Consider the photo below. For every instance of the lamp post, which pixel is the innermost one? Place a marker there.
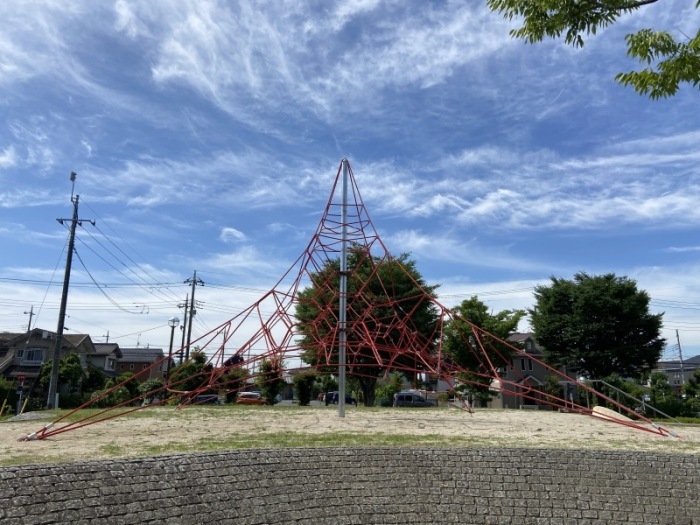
(172, 322)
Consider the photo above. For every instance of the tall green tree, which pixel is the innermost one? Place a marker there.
(669, 60)
(304, 386)
(269, 379)
(388, 300)
(597, 325)
(461, 345)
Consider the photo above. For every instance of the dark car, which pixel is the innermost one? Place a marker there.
(207, 399)
(411, 399)
(333, 397)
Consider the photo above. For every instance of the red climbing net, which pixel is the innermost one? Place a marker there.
(382, 332)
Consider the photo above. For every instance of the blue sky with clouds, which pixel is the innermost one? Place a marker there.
(206, 135)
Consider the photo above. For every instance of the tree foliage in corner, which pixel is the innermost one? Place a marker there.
(597, 325)
(386, 298)
(463, 349)
(669, 61)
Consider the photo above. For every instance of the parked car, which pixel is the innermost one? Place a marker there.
(249, 398)
(411, 399)
(334, 397)
(207, 399)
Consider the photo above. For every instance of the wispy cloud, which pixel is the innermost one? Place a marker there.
(229, 234)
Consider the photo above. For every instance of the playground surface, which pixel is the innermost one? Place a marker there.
(166, 430)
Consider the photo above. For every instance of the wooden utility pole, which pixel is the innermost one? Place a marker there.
(31, 314)
(52, 401)
(193, 311)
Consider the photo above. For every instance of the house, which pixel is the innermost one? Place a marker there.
(105, 358)
(524, 372)
(22, 354)
(678, 372)
(145, 363)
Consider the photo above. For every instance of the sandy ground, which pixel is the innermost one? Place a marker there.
(165, 430)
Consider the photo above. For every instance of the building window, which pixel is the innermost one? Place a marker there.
(522, 364)
(143, 367)
(529, 364)
(131, 366)
(20, 352)
(34, 355)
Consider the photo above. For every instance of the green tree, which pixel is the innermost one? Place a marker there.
(94, 380)
(270, 380)
(662, 396)
(151, 389)
(669, 61)
(70, 373)
(461, 345)
(233, 381)
(8, 394)
(387, 298)
(387, 388)
(692, 387)
(191, 375)
(131, 384)
(304, 386)
(597, 325)
(111, 396)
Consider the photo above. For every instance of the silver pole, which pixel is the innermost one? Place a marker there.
(342, 314)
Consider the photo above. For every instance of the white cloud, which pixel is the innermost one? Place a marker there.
(228, 235)
(8, 157)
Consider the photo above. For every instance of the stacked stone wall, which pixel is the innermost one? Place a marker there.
(359, 486)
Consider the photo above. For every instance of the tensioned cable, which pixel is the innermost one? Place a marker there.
(100, 288)
(143, 285)
(155, 281)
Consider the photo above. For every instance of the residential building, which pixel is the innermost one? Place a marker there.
(22, 354)
(105, 358)
(145, 363)
(525, 371)
(678, 372)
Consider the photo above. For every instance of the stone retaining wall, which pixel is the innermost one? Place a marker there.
(359, 486)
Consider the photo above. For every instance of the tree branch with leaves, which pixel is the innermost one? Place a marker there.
(670, 61)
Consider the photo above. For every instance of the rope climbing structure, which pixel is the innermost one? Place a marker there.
(392, 322)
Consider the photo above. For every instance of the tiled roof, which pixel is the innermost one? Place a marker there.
(108, 349)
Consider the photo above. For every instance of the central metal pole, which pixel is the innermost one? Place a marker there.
(342, 313)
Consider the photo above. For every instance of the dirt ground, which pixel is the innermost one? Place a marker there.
(165, 430)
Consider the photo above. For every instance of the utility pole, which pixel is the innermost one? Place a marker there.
(680, 357)
(186, 306)
(31, 314)
(52, 401)
(193, 311)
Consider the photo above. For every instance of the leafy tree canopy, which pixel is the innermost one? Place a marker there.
(669, 61)
(270, 380)
(388, 301)
(462, 347)
(70, 372)
(598, 325)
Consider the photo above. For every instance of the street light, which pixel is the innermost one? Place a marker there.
(172, 322)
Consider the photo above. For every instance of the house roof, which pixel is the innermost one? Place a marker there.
(141, 355)
(107, 349)
(519, 337)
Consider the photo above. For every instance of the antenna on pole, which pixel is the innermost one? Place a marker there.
(72, 189)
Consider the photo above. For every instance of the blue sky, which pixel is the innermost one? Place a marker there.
(206, 135)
